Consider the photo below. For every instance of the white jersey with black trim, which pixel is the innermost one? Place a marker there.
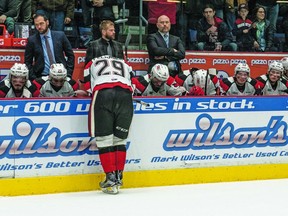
(185, 79)
(248, 88)
(189, 83)
(48, 91)
(268, 88)
(25, 93)
(149, 91)
(169, 88)
(107, 72)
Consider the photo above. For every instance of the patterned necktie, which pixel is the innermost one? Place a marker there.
(166, 39)
(49, 52)
(109, 49)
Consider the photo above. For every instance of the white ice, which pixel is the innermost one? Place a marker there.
(250, 198)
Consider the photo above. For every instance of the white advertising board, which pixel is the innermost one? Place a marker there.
(45, 137)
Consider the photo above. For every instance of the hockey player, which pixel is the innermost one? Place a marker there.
(158, 83)
(56, 84)
(110, 115)
(198, 82)
(284, 61)
(272, 83)
(18, 85)
(241, 83)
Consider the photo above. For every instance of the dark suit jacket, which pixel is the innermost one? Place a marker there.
(34, 55)
(157, 47)
(98, 48)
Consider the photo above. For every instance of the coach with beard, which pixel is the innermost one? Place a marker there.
(106, 45)
(47, 47)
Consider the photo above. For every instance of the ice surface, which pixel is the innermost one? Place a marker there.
(257, 198)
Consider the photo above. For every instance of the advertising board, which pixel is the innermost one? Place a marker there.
(49, 137)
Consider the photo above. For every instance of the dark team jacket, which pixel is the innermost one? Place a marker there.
(239, 26)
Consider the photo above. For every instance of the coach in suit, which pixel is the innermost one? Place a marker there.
(106, 45)
(47, 47)
(165, 48)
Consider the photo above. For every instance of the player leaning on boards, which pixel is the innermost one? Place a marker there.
(110, 115)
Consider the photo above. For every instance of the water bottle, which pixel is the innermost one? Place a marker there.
(6, 34)
(218, 46)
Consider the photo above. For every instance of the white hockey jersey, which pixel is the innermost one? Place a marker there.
(228, 86)
(6, 90)
(107, 72)
(47, 90)
(185, 79)
(144, 87)
(267, 89)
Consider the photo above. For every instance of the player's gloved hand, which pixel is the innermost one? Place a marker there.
(258, 91)
(196, 91)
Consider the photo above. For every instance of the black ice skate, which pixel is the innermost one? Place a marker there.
(119, 177)
(110, 184)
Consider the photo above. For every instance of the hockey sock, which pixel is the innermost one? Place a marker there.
(120, 157)
(107, 158)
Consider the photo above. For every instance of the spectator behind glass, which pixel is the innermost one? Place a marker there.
(59, 12)
(7, 14)
(158, 8)
(272, 9)
(213, 33)
(262, 31)
(165, 48)
(23, 11)
(86, 12)
(231, 7)
(99, 47)
(241, 30)
(219, 6)
(193, 13)
(284, 25)
(18, 85)
(103, 10)
(36, 52)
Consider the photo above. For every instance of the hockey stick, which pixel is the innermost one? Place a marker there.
(127, 42)
(206, 82)
(141, 102)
